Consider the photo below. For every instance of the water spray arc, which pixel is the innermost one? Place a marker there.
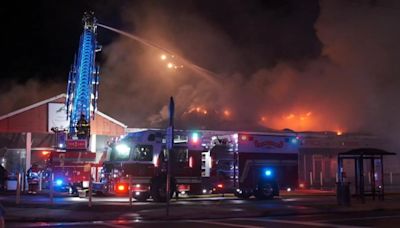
(206, 74)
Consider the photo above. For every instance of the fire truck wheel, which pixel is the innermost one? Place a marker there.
(264, 191)
(158, 189)
(142, 197)
(243, 195)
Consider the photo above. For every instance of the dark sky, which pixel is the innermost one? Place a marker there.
(41, 37)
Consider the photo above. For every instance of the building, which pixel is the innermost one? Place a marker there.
(27, 132)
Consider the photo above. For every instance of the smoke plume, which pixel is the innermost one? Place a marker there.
(32, 91)
(279, 68)
(350, 86)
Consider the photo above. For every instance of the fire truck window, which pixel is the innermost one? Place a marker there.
(143, 153)
(181, 154)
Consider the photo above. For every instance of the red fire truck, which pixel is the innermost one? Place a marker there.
(71, 170)
(253, 164)
(140, 158)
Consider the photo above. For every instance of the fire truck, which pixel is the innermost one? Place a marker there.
(138, 163)
(252, 164)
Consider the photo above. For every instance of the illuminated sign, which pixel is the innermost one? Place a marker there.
(78, 144)
(57, 116)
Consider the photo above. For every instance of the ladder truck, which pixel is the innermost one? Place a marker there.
(71, 165)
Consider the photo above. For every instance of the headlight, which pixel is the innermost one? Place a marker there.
(123, 149)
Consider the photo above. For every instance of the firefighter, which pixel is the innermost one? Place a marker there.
(82, 128)
(33, 178)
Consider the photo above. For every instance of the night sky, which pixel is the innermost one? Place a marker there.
(43, 36)
(303, 65)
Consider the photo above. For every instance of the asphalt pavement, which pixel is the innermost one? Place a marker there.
(347, 220)
(291, 209)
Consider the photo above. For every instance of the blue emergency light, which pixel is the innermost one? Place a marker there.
(59, 182)
(294, 140)
(268, 172)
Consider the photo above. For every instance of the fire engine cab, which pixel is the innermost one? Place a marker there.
(252, 164)
(138, 163)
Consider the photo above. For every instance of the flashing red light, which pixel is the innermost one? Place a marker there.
(45, 152)
(191, 162)
(301, 185)
(121, 187)
(244, 137)
(220, 185)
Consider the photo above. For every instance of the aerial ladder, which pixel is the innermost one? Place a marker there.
(82, 89)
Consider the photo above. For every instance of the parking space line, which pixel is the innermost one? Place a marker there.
(73, 224)
(359, 218)
(115, 225)
(223, 224)
(298, 222)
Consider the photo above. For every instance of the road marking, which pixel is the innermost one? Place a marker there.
(363, 218)
(223, 224)
(298, 222)
(74, 224)
(115, 225)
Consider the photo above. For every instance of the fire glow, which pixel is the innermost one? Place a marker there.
(303, 120)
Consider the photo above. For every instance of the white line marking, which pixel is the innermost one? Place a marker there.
(224, 224)
(74, 224)
(363, 218)
(115, 225)
(299, 222)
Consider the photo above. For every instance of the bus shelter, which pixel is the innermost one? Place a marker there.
(362, 157)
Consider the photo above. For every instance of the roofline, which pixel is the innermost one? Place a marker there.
(16, 112)
(217, 132)
(111, 119)
(63, 95)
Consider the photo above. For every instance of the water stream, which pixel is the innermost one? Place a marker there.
(206, 74)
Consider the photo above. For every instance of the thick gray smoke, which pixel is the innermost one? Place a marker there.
(22, 95)
(361, 42)
(352, 86)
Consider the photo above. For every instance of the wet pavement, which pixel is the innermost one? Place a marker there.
(36, 211)
(353, 219)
